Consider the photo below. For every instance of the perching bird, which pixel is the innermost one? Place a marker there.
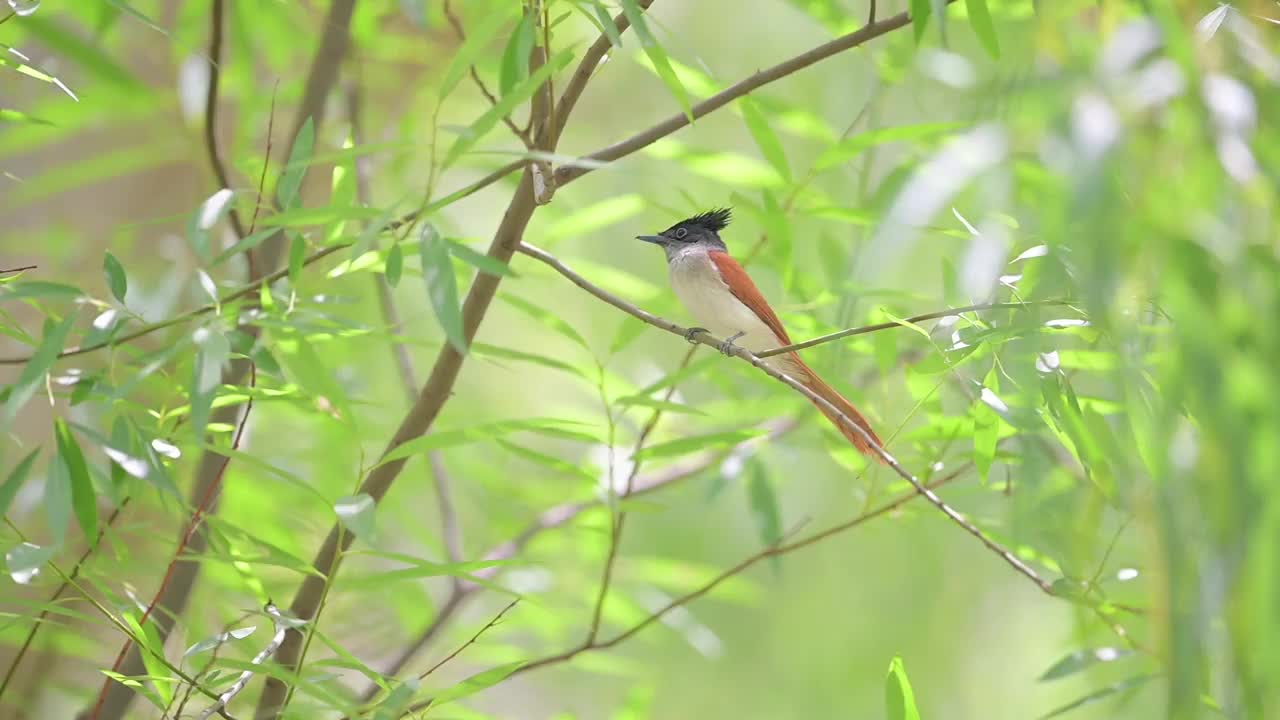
(720, 296)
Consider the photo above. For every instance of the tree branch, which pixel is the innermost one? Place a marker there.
(757, 362)
(211, 117)
(569, 173)
(849, 332)
(475, 76)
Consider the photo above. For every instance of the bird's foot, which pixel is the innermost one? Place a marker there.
(692, 333)
(726, 347)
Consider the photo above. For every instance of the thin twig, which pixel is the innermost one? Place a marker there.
(475, 76)
(24, 268)
(470, 642)
(906, 321)
(824, 404)
(211, 115)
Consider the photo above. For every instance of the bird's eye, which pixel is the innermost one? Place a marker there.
(680, 233)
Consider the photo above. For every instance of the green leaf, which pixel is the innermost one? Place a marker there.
(547, 318)
(656, 404)
(212, 350)
(980, 21)
(25, 561)
(38, 289)
(219, 640)
(920, 11)
(32, 377)
(606, 24)
(394, 265)
(57, 499)
(393, 706)
(1097, 695)
(439, 439)
(515, 58)
(503, 107)
(696, 443)
(478, 37)
(17, 116)
(480, 261)
(764, 136)
(297, 256)
(442, 287)
(83, 499)
(296, 168)
(356, 513)
(657, 56)
(116, 279)
(849, 148)
(477, 682)
(764, 505)
(899, 699)
(11, 484)
(1083, 659)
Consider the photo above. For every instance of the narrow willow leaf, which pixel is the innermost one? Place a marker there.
(596, 216)
(547, 318)
(480, 261)
(980, 21)
(920, 11)
(504, 106)
(394, 704)
(478, 38)
(394, 266)
(83, 500)
(1093, 697)
(212, 350)
(439, 439)
(245, 244)
(218, 640)
(116, 279)
(442, 286)
(38, 289)
(496, 351)
(356, 513)
(296, 168)
(764, 505)
(297, 256)
(1083, 659)
(17, 116)
(11, 484)
(899, 699)
(477, 682)
(515, 58)
(697, 443)
(664, 405)
(849, 148)
(606, 24)
(764, 136)
(32, 377)
(657, 56)
(25, 561)
(57, 499)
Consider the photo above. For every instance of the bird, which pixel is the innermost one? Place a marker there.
(722, 298)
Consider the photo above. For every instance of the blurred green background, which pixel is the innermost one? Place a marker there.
(1116, 155)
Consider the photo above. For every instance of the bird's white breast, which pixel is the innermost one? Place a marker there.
(706, 296)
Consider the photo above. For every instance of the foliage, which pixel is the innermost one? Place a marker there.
(251, 359)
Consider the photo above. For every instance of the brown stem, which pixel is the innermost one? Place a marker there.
(211, 115)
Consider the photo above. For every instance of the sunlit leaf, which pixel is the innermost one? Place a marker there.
(657, 56)
(1083, 659)
(442, 287)
(980, 21)
(296, 167)
(515, 58)
(899, 698)
(479, 35)
(25, 561)
(9, 489)
(116, 280)
(765, 138)
(33, 372)
(356, 513)
(219, 640)
(83, 500)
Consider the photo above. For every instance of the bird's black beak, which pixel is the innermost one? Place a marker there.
(655, 239)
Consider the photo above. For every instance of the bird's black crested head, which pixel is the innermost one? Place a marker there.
(698, 232)
(712, 220)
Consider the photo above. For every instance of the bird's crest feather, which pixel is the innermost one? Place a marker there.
(713, 220)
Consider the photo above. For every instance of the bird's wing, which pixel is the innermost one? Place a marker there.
(748, 294)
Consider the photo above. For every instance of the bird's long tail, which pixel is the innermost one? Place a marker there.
(810, 379)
